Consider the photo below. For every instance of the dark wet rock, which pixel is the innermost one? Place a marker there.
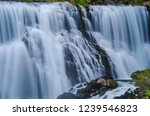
(68, 95)
(129, 95)
(70, 66)
(97, 87)
(107, 63)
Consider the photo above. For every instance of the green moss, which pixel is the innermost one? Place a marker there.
(147, 94)
(142, 81)
(113, 83)
(141, 77)
(102, 90)
(97, 87)
(148, 3)
(83, 3)
(29, 1)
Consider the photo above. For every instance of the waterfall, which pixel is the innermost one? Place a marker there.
(123, 33)
(45, 49)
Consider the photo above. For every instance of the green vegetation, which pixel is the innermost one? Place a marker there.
(77, 2)
(141, 77)
(28, 0)
(147, 94)
(88, 2)
(142, 80)
(134, 2)
(82, 2)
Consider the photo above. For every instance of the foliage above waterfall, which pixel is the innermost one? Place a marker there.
(134, 2)
(82, 2)
(88, 2)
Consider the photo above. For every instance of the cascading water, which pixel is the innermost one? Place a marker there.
(44, 50)
(123, 33)
(38, 42)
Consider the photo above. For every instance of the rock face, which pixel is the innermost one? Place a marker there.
(141, 79)
(106, 63)
(97, 87)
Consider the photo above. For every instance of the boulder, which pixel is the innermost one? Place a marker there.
(97, 87)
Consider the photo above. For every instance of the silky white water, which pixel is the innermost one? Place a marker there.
(117, 92)
(44, 50)
(123, 33)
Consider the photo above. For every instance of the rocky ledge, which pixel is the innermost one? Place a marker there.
(95, 87)
(141, 79)
(99, 86)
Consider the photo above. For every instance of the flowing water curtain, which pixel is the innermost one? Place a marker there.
(44, 79)
(124, 32)
(45, 49)
(46, 36)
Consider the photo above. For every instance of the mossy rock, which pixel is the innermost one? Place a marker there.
(97, 87)
(82, 3)
(147, 94)
(142, 78)
(106, 62)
